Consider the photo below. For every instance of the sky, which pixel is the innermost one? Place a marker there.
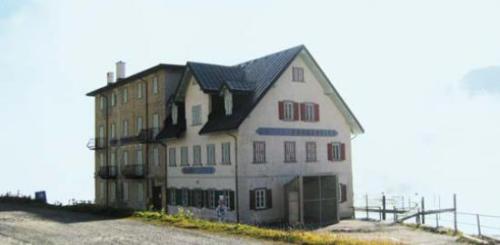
(423, 78)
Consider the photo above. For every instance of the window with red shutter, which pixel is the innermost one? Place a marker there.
(295, 111)
(316, 112)
(342, 152)
(281, 111)
(330, 151)
(303, 111)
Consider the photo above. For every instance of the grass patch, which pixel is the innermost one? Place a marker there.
(186, 221)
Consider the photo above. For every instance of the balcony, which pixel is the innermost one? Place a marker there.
(96, 144)
(148, 135)
(107, 172)
(134, 171)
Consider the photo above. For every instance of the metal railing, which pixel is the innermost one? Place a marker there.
(133, 171)
(107, 172)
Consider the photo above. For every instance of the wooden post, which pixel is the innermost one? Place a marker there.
(437, 220)
(395, 214)
(478, 225)
(423, 210)
(417, 217)
(455, 225)
(383, 207)
(379, 213)
(366, 202)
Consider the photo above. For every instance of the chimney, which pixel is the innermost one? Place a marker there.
(111, 77)
(120, 70)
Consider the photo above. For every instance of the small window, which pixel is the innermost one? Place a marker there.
(125, 128)
(343, 192)
(113, 158)
(185, 197)
(184, 156)
(139, 90)
(226, 153)
(290, 151)
(113, 99)
(125, 158)
(125, 95)
(138, 157)
(297, 74)
(101, 159)
(210, 154)
(196, 155)
(156, 156)
(336, 151)
(102, 190)
(259, 152)
(155, 85)
(139, 124)
(260, 199)
(309, 112)
(311, 151)
(228, 199)
(102, 103)
(196, 115)
(172, 157)
(289, 110)
(113, 131)
(140, 192)
(156, 124)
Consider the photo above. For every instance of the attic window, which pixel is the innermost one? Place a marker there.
(228, 102)
(175, 114)
(297, 74)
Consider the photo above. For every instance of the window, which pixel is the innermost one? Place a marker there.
(112, 191)
(261, 199)
(125, 191)
(228, 199)
(171, 157)
(101, 159)
(290, 151)
(212, 199)
(198, 198)
(156, 156)
(259, 152)
(139, 124)
(113, 130)
(310, 151)
(226, 153)
(171, 196)
(210, 154)
(113, 158)
(102, 190)
(343, 192)
(196, 115)
(102, 102)
(125, 128)
(156, 124)
(309, 112)
(297, 74)
(125, 95)
(196, 155)
(336, 151)
(113, 99)
(174, 114)
(185, 197)
(288, 110)
(125, 158)
(138, 155)
(140, 192)
(139, 90)
(155, 85)
(101, 133)
(228, 102)
(184, 156)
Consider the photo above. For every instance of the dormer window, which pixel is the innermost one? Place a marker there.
(228, 102)
(297, 74)
(175, 114)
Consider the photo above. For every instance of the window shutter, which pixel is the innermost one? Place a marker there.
(343, 198)
(302, 111)
(252, 200)
(330, 151)
(281, 109)
(316, 112)
(295, 111)
(269, 199)
(231, 200)
(342, 151)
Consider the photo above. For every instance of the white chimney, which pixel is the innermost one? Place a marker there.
(120, 70)
(111, 77)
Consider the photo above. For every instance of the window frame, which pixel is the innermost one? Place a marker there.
(226, 153)
(288, 115)
(337, 151)
(139, 126)
(156, 156)
(140, 90)
(172, 157)
(124, 95)
(197, 155)
(184, 156)
(185, 197)
(309, 158)
(211, 159)
(289, 157)
(259, 154)
(260, 203)
(196, 119)
(155, 85)
(298, 74)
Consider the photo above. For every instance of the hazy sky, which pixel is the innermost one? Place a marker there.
(423, 77)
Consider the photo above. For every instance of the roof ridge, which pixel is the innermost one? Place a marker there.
(269, 55)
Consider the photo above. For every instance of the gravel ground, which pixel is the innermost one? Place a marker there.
(398, 233)
(27, 225)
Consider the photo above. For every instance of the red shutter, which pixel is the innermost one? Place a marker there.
(330, 151)
(295, 111)
(281, 110)
(316, 112)
(302, 111)
(342, 151)
(252, 200)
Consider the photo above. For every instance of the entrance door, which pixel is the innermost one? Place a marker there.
(157, 197)
(293, 207)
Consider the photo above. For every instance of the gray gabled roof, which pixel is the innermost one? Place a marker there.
(254, 78)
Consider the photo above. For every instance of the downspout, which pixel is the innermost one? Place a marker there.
(146, 158)
(106, 146)
(236, 192)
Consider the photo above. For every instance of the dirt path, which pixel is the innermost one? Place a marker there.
(397, 233)
(27, 225)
